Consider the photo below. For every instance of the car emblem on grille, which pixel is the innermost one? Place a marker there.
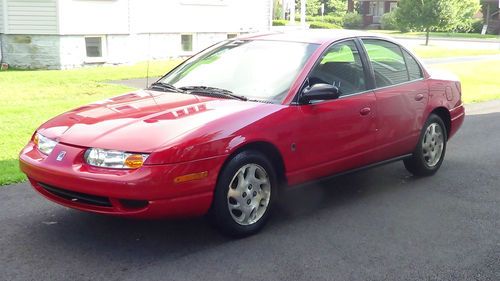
(61, 155)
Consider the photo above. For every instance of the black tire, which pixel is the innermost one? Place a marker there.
(220, 213)
(419, 164)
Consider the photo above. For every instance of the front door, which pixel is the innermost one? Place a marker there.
(336, 135)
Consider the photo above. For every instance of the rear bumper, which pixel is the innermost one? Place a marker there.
(148, 192)
(457, 119)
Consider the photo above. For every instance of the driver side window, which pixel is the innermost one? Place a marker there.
(340, 66)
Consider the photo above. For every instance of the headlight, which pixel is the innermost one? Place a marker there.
(114, 159)
(44, 144)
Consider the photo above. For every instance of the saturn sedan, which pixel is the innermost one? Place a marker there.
(224, 132)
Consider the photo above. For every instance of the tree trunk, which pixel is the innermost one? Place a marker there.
(427, 31)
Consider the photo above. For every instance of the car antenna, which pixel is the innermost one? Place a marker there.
(149, 58)
(147, 69)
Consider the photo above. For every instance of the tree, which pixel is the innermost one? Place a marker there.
(432, 15)
(335, 7)
(312, 7)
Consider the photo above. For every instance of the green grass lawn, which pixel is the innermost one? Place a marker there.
(441, 52)
(438, 34)
(479, 79)
(28, 98)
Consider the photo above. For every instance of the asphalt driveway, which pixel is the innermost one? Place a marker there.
(379, 224)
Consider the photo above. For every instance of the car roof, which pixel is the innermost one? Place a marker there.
(315, 36)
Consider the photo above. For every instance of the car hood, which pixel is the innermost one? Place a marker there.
(143, 121)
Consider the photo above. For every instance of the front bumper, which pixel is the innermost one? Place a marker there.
(148, 192)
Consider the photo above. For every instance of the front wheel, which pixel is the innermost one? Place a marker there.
(244, 194)
(429, 153)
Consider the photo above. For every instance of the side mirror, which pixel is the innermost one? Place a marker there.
(319, 92)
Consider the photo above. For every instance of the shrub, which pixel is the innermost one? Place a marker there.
(353, 21)
(389, 22)
(280, 22)
(326, 18)
(477, 26)
(474, 26)
(322, 25)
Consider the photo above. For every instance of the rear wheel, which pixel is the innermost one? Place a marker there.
(429, 153)
(244, 194)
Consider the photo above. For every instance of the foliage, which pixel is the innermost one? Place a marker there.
(332, 7)
(464, 18)
(335, 7)
(353, 21)
(322, 25)
(329, 19)
(280, 22)
(312, 7)
(277, 10)
(477, 26)
(388, 21)
(435, 15)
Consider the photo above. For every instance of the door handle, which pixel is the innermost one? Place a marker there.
(365, 111)
(419, 97)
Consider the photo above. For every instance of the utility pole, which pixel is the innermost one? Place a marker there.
(303, 13)
(292, 11)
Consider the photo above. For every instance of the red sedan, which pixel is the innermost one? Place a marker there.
(220, 133)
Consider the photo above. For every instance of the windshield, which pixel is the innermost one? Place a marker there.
(260, 70)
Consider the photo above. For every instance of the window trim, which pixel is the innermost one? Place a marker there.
(104, 49)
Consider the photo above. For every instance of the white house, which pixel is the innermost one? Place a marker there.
(72, 33)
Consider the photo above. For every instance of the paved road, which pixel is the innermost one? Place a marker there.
(380, 224)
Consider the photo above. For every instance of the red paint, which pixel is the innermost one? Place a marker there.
(190, 134)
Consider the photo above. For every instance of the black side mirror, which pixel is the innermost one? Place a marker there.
(319, 92)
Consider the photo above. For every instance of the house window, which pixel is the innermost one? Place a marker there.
(94, 47)
(393, 6)
(232, 35)
(187, 42)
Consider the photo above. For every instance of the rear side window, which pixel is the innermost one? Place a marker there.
(414, 70)
(387, 61)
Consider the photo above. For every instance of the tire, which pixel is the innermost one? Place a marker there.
(242, 200)
(431, 148)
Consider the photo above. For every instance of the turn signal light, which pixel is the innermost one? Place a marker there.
(134, 161)
(191, 177)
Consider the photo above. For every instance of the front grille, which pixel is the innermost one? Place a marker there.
(77, 196)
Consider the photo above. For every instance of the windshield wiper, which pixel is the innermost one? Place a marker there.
(212, 90)
(165, 87)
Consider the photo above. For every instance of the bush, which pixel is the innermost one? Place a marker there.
(327, 18)
(280, 22)
(389, 22)
(322, 25)
(353, 21)
(477, 26)
(474, 26)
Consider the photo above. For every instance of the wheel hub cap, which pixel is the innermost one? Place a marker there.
(248, 195)
(433, 144)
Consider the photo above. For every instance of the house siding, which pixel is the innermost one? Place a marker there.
(51, 33)
(32, 16)
(2, 19)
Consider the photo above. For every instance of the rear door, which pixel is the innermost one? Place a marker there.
(401, 94)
